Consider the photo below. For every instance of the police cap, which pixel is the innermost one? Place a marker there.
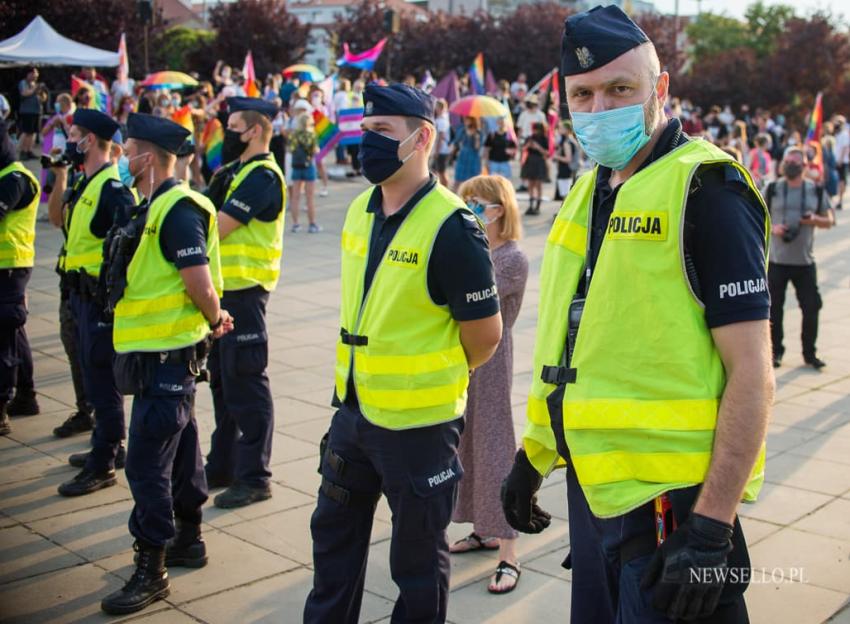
(101, 124)
(187, 148)
(161, 132)
(264, 107)
(398, 100)
(596, 37)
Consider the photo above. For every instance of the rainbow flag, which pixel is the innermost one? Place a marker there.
(212, 138)
(327, 134)
(99, 99)
(251, 89)
(476, 75)
(123, 71)
(365, 60)
(183, 116)
(816, 120)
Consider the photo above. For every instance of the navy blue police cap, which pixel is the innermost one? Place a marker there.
(161, 132)
(264, 107)
(398, 100)
(187, 149)
(596, 37)
(101, 124)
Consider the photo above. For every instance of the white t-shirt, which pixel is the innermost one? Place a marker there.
(527, 119)
(442, 126)
(842, 146)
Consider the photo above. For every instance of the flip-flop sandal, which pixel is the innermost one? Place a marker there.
(506, 569)
(476, 543)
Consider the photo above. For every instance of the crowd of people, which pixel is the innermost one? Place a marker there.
(134, 173)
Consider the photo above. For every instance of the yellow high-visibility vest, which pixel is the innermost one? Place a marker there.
(640, 418)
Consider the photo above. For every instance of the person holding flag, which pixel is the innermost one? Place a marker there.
(249, 194)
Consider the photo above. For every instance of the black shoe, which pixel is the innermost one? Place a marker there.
(815, 362)
(24, 404)
(78, 422)
(532, 210)
(78, 460)
(87, 482)
(187, 549)
(148, 584)
(240, 495)
(777, 361)
(5, 423)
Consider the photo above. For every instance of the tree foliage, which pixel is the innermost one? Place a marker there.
(275, 37)
(178, 47)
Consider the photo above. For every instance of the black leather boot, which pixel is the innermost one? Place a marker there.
(187, 549)
(87, 482)
(24, 404)
(78, 422)
(148, 584)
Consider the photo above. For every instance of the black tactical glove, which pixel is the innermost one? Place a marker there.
(688, 570)
(518, 497)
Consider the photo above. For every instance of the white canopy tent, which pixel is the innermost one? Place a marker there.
(39, 44)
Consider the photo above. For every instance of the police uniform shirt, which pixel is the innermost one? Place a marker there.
(460, 271)
(115, 207)
(258, 197)
(16, 192)
(723, 238)
(183, 237)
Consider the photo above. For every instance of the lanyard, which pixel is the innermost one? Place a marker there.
(785, 201)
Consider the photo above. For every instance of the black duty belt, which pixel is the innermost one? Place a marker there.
(353, 339)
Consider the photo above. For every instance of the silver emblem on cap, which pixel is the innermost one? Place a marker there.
(369, 107)
(584, 56)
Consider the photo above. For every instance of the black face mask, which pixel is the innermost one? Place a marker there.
(76, 157)
(792, 170)
(233, 145)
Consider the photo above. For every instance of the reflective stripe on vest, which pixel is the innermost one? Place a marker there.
(413, 370)
(156, 313)
(250, 254)
(17, 228)
(641, 416)
(84, 250)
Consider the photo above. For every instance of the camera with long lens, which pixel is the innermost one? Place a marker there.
(57, 160)
(791, 232)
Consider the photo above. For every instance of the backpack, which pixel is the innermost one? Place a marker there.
(300, 160)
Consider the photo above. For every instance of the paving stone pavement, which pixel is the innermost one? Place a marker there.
(59, 557)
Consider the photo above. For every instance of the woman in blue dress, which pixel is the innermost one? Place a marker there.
(467, 147)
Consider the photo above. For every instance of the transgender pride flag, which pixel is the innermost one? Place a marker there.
(348, 120)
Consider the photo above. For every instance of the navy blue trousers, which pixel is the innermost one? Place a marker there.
(96, 355)
(241, 445)
(606, 592)
(15, 354)
(164, 463)
(417, 470)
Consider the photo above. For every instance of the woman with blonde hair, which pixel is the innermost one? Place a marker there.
(304, 149)
(488, 444)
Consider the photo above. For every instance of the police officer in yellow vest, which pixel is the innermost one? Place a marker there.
(652, 377)
(163, 320)
(419, 310)
(19, 196)
(250, 195)
(99, 201)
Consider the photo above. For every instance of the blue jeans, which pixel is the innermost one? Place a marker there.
(500, 168)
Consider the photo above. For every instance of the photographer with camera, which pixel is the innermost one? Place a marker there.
(796, 207)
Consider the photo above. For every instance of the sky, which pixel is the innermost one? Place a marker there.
(736, 8)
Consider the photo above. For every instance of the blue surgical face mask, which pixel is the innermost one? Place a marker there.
(612, 137)
(379, 155)
(124, 172)
(480, 211)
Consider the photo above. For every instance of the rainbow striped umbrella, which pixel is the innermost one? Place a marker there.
(478, 106)
(304, 71)
(169, 80)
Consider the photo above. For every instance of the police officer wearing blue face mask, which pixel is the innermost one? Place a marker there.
(419, 311)
(652, 379)
(98, 200)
